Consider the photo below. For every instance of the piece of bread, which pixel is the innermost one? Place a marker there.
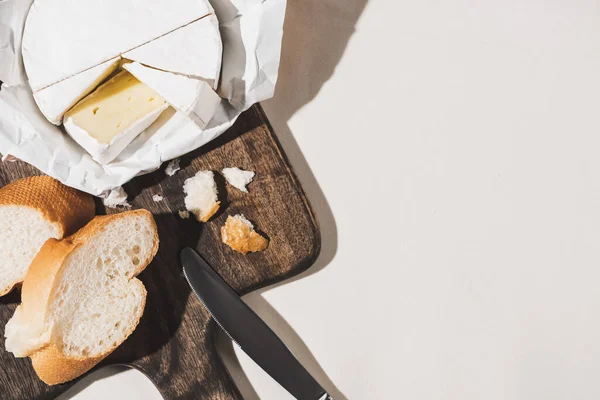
(32, 210)
(201, 196)
(81, 298)
(238, 178)
(183, 214)
(238, 233)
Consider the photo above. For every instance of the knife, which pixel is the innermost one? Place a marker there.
(246, 329)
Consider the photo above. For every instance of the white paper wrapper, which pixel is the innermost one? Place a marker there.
(251, 31)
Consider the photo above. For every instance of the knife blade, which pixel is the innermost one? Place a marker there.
(248, 330)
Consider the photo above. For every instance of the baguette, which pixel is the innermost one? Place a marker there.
(81, 298)
(33, 210)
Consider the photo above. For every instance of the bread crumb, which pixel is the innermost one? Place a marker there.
(172, 167)
(116, 198)
(238, 233)
(184, 214)
(201, 195)
(238, 178)
(157, 198)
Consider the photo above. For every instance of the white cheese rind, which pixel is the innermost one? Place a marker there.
(192, 97)
(57, 99)
(104, 153)
(92, 32)
(194, 50)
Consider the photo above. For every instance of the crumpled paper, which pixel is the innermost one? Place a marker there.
(251, 31)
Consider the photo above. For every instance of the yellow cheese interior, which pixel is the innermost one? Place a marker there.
(115, 106)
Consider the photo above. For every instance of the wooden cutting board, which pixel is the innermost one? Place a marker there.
(175, 342)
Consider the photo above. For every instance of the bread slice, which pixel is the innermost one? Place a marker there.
(238, 233)
(31, 211)
(201, 196)
(80, 298)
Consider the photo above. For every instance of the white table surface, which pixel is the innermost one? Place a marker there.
(451, 150)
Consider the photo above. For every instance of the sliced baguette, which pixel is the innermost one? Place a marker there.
(33, 210)
(80, 298)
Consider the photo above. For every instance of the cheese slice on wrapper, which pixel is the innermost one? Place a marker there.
(106, 121)
(63, 38)
(194, 50)
(192, 97)
(55, 100)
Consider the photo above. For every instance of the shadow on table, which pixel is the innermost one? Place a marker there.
(315, 37)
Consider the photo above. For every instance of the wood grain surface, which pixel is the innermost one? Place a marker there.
(175, 342)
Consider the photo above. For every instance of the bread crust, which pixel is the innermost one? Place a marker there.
(208, 215)
(54, 367)
(241, 237)
(41, 276)
(51, 364)
(67, 208)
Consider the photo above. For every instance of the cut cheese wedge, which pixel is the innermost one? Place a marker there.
(192, 97)
(195, 50)
(106, 121)
(63, 38)
(55, 100)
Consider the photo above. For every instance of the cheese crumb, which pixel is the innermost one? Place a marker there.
(238, 178)
(184, 214)
(157, 198)
(172, 167)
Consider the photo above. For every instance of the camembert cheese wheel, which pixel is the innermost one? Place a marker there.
(70, 47)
